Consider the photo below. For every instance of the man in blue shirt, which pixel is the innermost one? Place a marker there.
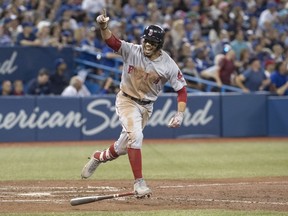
(279, 79)
(27, 37)
(254, 78)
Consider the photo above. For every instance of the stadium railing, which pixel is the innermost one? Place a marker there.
(83, 63)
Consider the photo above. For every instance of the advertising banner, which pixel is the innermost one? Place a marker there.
(17, 119)
(24, 62)
(278, 116)
(244, 115)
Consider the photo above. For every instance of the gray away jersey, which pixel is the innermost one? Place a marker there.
(143, 78)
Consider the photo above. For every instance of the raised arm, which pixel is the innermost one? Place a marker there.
(103, 20)
(106, 34)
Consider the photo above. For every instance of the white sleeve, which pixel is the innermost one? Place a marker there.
(69, 91)
(176, 78)
(125, 49)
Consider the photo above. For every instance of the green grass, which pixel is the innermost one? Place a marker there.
(169, 161)
(163, 213)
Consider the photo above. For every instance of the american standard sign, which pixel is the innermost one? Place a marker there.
(97, 116)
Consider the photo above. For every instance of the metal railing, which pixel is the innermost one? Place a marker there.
(208, 85)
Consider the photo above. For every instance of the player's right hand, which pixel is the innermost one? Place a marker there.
(102, 19)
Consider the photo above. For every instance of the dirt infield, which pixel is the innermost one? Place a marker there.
(269, 194)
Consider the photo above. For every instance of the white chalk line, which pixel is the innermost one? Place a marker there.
(34, 201)
(221, 184)
(106, 188)
(234, 201)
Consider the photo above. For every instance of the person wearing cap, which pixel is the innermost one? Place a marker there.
(59, 79)
(27, 37)
(41, 84)
(254, 78)
(269, 65)
(146, 69)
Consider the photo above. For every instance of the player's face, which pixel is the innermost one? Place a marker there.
(149, 47)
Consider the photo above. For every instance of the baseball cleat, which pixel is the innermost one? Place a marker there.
(141, 190)
(90, 167)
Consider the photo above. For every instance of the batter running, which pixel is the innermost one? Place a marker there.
(145, 71)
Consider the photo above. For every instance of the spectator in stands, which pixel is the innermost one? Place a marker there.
(238, 44)
(41, 84)
(76, 88)
(227, 68)
(11, 26)
(190, 69)
(140, 16)
(6, 88)
(93, 7)
(18, 88)
(91, 42)
(43, 37)
(269, 65)
(59, 79)
(212, 73)
(184, 52)
(66, 31)
(253, 79)
(27, 36)
(279, 79)
(268, 16)
(177, 33)
(277, 54)
(224, 39)
(243, 63)
(201, 59)
(265, 33)
(66, 39)
(108, 87)
(5, 39)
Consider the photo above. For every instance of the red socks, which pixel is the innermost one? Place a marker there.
(107, 155)
(135, 158)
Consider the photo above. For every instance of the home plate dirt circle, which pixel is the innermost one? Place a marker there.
(266, 194)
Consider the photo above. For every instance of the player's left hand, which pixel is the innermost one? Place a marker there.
(176, 120)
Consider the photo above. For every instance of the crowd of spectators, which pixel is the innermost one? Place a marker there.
(242, 43)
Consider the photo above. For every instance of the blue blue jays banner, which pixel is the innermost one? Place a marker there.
(201, 118)
(278, 116)
(24, 62)
(56, 118)
(59, 118)
(17, 116)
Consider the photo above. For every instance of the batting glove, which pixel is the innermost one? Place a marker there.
(176, 120)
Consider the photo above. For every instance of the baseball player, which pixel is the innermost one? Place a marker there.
(146, 68)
